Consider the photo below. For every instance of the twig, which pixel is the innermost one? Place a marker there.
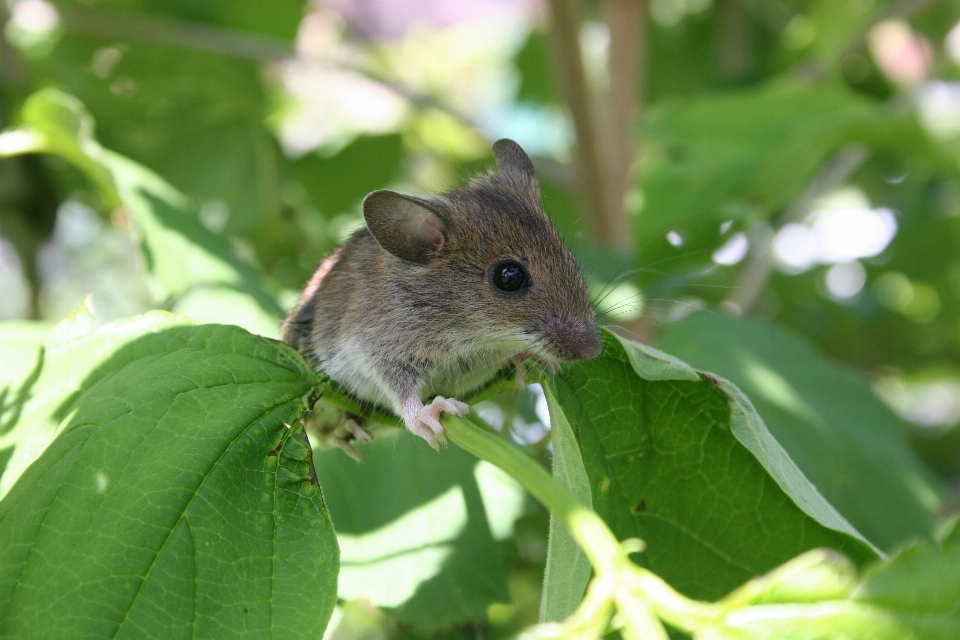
(626, 20)
(565, 23)
(757, 271)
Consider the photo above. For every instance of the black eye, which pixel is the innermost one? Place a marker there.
(509, 276)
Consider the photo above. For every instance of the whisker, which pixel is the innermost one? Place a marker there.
(594, 303)
(689, 304)
(625, 300)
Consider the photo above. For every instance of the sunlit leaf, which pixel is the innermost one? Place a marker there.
(35, 407)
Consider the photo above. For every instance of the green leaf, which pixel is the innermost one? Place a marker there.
(224, 305)
(338, 182)
(821, 574)
(760, 148)
(688, 466)
(198, 118)
(181, 253)
(568, 568)
(923, 579)
(276, 20)
(176, 502)
(916, 594)
(35, 408)
(414, 531)
(533, 64)
(850, 445)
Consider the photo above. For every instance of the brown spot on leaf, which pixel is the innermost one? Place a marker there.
(711, 380)
(641, 507)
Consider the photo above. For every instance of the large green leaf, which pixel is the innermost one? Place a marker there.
(682, 460)
(20, 344)
(850, 445)
(415, 530)
(177, 501)
(181, 252)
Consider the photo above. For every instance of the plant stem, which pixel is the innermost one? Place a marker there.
(565, 30)
(616, 576)
(587, 528)
(627, 23)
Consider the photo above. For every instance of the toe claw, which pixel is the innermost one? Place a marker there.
(357, 431)
(349, 450)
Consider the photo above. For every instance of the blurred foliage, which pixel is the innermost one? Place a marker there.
(232, 142)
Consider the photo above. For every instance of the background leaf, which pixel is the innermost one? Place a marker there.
(180, 251)
(746, 156)
(850, 445)
(205, 126)
(817, 595)
(415, 531)
(337, 183)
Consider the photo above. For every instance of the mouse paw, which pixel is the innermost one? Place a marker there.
(346, 431)
(352, 427)
(426, 422)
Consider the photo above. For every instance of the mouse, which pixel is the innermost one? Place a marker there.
(436, 294)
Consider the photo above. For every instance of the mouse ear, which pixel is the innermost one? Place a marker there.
(511, 159)
(407, 227)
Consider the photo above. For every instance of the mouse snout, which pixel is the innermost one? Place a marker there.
(572, 339)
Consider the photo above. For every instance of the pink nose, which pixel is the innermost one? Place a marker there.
(573, 340)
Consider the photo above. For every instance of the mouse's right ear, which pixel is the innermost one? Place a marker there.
(407, 227)
(512, 160)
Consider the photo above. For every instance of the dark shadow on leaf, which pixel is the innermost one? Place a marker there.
(10, 412)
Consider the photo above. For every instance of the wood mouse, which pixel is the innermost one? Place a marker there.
(437, 294)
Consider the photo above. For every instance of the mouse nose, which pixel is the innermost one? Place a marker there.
(572, 340)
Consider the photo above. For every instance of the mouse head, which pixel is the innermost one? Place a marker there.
(487, 255)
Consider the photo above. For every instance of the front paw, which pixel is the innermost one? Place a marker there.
(426, 422)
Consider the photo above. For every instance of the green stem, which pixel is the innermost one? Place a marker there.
(588, 529)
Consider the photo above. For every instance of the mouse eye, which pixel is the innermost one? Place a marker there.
(509, 276)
